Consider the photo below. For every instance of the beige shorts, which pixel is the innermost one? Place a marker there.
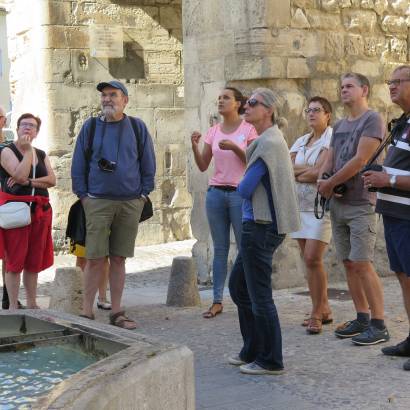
(112, 227)
(354, 230)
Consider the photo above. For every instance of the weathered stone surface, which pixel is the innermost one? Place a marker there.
(304, 4)
(335, 45)
(298, 68)
(363, 21)
(354, 44)
(331, 6)
(367, 68)
(323, 21)
(374, 46)
(299, 19)
(182, 287)
(400, 6)
(327, 88)
(395, 25)
(169, 126)
(380, 6)
(67, 291)
(398, 49)
(252, 68)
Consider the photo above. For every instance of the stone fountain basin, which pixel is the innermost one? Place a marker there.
(134, 371)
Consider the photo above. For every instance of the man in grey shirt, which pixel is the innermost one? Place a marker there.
(355, 139)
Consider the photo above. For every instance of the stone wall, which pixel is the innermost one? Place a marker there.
(298, 48)
(53, 75)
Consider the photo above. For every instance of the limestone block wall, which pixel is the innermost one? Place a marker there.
(53, 75)
(298, 48)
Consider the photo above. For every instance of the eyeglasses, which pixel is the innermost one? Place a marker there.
(315, 110)
(27, 125)
(253, 102)
(396, 82)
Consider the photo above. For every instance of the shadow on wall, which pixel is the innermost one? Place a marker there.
(131, 65)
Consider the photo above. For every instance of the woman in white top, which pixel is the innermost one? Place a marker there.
(308, 154)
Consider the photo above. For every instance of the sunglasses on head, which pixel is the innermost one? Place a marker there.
(253, 102)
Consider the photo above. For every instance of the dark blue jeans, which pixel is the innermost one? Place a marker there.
(250, 286)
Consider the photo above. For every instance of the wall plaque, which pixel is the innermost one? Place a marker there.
(106, 41)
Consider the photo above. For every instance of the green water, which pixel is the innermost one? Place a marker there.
(27, 374)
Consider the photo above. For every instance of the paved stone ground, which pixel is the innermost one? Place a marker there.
(322, 372)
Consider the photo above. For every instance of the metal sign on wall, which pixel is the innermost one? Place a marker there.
(106, 41)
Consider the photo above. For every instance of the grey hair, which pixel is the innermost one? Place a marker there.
(360, 78)
(402, 68)
(269, 99)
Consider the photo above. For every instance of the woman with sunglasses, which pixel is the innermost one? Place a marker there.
(26, 172)
(226, 143)
(308, 154)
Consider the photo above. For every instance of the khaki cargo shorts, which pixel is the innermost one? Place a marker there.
(354, 230)
(112, 227)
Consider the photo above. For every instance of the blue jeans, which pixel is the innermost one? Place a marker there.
(250, 286)
(223, 209)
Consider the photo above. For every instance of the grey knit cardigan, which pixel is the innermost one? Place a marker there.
(271, 147)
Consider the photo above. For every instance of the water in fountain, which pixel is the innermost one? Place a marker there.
(28, 374)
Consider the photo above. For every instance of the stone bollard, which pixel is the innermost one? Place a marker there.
(183, 287)
(67, 290)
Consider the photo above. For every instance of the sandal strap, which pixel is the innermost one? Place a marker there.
(115, 316)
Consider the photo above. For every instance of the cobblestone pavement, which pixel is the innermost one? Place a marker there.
(322, 372)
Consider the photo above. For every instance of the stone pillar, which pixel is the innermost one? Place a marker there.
(299, 48)
(67, 290)
(183, 287)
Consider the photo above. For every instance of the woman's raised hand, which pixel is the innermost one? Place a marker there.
(195, 137)
(226, 144)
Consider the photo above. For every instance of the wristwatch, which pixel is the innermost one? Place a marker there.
(392, 180)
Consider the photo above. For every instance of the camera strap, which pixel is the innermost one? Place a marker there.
(319, 200)
(395, 127)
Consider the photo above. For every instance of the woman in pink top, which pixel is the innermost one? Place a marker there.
(227, 143)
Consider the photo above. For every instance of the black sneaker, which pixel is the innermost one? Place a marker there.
(371, 336)
(406, 365)
(350, 329)
(401, 349)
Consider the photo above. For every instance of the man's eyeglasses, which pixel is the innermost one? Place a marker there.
(253, 102)
(27, 125)
(396, 82)
(315, 110)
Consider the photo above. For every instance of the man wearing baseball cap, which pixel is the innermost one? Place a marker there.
(112, 172)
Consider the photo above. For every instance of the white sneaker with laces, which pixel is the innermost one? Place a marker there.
(235, 361)
(254, 369)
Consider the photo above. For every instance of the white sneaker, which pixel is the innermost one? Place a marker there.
(236, 361)
(103, 305)
(253, 368)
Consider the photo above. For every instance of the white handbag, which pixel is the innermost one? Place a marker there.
(17, 214)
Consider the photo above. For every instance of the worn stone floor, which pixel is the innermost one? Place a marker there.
(322, 372)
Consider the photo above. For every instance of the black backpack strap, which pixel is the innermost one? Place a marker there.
(89, 150)
(135, 127)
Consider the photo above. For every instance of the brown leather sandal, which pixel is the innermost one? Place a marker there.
(119, 319)
(212, 311)
(314, 326)
(326, 319)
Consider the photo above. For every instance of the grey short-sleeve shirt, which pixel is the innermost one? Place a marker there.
(345, 140)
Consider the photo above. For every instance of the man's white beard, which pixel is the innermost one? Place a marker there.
(108, 111)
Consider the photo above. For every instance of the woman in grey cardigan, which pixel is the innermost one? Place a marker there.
(269, 212)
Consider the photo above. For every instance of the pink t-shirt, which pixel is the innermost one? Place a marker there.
(229, 169)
